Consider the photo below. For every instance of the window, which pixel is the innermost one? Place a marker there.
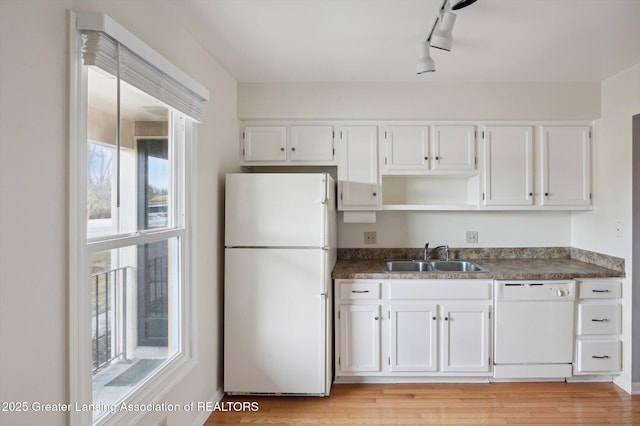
(131, 192)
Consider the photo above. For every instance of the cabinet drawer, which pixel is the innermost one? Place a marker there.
(598, 319)
(600, 289)
(440, 290)
(599, 356)
(360, 290)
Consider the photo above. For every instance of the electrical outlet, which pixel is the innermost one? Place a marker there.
(619, 229)
(472, 237)
(370, 237)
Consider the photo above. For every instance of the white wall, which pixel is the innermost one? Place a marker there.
(434, 101)
(34, 196)
(612, 175)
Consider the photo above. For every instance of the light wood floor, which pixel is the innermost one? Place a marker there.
(453, 404)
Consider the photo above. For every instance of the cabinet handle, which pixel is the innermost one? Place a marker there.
(601, 291)
(434, 318)
(446, 318)
(376, 318)
(293, 149)
(282, 149)
(546, 194)
(531, 194)
(359, 291)
(426, 158)
(437, 158)
(600, 320)
(375, 194)
(600, 356)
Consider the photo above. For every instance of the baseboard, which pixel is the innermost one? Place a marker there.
(204, 415)
(624, 382)
(635, 388)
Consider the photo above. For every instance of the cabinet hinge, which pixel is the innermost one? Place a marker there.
(590, 196)
(389, 360)
(389, 314)
(333, 134)
(385, 134)
(476, 161)
(339, 360)
(589, 134)
(483, 134)
(340, 196)
(483, 196)
(385, 161)
(334, 152)
(243, 135)
(243, 154)
(489, 360)
(338, 314)
(489, 314)
(340, 134)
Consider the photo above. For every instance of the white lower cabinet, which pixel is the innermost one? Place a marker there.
(599, 327)
(413, 328)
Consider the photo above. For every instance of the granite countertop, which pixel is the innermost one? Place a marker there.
(497, 269)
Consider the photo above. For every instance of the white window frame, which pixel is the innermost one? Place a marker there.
(79, 360)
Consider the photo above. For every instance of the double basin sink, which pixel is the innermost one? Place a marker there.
(431, 266)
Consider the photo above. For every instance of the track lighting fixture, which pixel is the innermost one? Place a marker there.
(441, 35)
(425, 62)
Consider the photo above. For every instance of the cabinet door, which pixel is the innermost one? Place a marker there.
(358, 168)
(508, 162)
(406, 148)
(566, 166)
(359, 338)
(465, 337)
(264, 143)
(413, 337)
(453, 147)
(311, 143)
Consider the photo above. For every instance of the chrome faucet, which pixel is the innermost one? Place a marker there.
(426, 252)
(446, 251)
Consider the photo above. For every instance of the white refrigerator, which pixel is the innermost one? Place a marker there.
(280, 249)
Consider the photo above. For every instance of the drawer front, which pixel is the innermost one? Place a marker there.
(359, 290)
(600, 289)
(599, 319)
(440, 290)
(599, 356)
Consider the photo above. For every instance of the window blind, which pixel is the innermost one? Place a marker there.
(101, 50)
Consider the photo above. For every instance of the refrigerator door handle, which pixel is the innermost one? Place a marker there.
(325, 191)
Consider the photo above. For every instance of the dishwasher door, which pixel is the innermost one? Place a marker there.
(534, 322)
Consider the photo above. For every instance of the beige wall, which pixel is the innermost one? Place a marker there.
(420, 101)
(34, 162)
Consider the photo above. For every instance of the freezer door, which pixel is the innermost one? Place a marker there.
(275, 321)
(276, 210)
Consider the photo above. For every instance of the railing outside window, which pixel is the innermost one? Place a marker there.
(109, 318)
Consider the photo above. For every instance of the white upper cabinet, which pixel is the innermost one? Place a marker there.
(358, 181)
(508, 166)
(406, 148)
(436, 149)
(294, 144)
(264, 143)
(311, 143)
(566, 166)
(453, 147)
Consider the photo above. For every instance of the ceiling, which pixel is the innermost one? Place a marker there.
(376, 40)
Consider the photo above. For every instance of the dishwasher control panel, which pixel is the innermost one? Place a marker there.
(535, 290)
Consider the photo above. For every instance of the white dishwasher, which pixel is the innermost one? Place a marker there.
(534, 329)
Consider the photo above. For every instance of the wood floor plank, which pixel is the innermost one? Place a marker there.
(446, 404)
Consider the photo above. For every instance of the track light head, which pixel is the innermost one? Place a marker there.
(425, 61)
(442, 38)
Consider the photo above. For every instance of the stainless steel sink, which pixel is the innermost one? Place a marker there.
(408, 266)
(457, 266)
(431, 266)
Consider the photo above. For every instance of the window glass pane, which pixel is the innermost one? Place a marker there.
(142, 200)
(135, 318)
